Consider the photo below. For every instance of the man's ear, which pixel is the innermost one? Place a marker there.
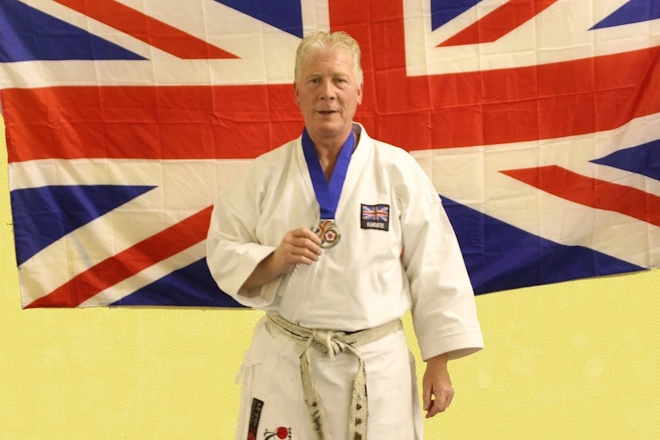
(359, 96)
(295, 94)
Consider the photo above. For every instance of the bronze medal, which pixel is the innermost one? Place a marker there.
(328, 233)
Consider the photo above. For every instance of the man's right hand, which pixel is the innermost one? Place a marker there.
(299, 246)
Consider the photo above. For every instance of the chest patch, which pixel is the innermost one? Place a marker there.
(375, 217)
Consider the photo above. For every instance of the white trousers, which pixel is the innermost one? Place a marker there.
(271, 374)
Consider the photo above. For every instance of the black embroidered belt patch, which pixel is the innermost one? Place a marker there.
(255, 415)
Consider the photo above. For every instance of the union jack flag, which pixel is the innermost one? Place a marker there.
(379, 213)
(538, 121)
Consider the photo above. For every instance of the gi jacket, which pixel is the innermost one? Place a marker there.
(397, 251)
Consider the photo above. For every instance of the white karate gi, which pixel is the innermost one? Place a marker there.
(371, 277)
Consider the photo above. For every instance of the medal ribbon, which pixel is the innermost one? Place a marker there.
(327, 193)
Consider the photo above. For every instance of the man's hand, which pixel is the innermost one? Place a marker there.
(436, 384)
(299, 246)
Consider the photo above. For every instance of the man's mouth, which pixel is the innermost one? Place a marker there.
(327, 112)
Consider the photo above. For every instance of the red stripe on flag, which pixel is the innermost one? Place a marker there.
(125, 264)
(489, 107)
(444, 111)
(148, 122)
(591, 192)
(148, 29)
(499, 22)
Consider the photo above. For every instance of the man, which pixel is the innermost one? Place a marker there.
(336, 235)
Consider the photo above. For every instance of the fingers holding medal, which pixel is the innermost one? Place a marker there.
(303, 246)
(298, 246)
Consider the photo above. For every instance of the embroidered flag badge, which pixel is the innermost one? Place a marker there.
(375, 217)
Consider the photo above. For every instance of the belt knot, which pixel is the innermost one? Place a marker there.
(327, 341)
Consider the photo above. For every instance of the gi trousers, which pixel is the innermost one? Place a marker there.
(273, 407)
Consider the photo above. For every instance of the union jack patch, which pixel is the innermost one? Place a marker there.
(375, 217)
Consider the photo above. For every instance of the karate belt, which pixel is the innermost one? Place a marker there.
(332, 343)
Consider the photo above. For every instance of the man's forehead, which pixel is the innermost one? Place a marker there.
(333, 55)
(339, 60)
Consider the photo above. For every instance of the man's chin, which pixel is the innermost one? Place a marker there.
(328, 130)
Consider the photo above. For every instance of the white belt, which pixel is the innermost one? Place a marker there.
(332, 343)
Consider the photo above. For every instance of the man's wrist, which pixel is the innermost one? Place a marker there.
(440, 359)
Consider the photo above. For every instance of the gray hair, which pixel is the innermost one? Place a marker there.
(319, 41)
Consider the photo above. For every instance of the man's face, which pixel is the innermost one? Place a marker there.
(328, 94)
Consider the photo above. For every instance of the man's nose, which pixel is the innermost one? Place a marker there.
(328, 91)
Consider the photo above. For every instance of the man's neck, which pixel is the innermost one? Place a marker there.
(327, 150)
(328, 147)
(328, 158)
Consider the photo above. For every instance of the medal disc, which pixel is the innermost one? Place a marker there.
(328, 233)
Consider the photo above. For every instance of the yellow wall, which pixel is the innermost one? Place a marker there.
(578, 360)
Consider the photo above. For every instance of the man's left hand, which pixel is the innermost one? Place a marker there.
(436, 384)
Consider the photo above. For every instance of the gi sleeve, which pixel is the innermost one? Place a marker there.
(232, 248)
(443, 304)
